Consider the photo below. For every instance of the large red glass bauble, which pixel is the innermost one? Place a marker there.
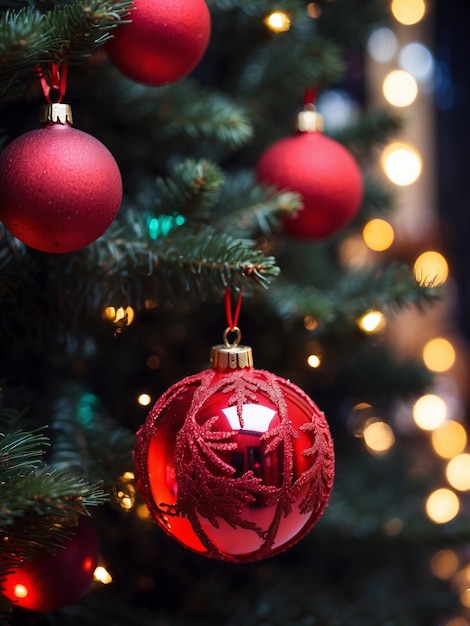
(164, 42)
(60, 188)
(324, 173)
(51, 581)
(235, 465)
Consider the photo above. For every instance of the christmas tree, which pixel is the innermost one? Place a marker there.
(109, 300)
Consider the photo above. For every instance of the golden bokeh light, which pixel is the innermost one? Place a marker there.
(442, 505)
(439, 354)
(378, 436)
(465, 598)
(121, 316)
(372, 322)
(378, 235)
(431, 268)
(449, 439)
(429, 412)
(313, 10)
(408, 12)
(102, 575)
(401, 163)
(444, 564)
(313, 361)
(458, 472)
(400, 88)
(278, 21)
(144, 399)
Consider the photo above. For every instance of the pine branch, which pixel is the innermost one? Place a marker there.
(67, 34)
(389, 290)
(248, 209)
(191, 191)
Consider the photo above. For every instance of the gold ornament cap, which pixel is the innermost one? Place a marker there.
(231, 356)
(57, 113)
(309, 120)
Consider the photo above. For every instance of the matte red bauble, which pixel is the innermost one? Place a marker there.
(164, 42)
(324, 173)
(235, 463)
(49, 582)
(60, 187)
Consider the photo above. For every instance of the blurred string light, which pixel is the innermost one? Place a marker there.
(429, 412)
(378, 436)
(401, 163)
(400, 88)
(378, 235)
(313, 10)
(144, 399)
(382, 45)
(372, 322)
(121, 316)
(417, 59)
(125, 491)
(458, 472)
(408, 12)
(102, 575)
(278, 21)
(449, 439)
(313, 361)
(439, 355)
(442, 505)
(431, 268)
(163, 224)
(444, 564)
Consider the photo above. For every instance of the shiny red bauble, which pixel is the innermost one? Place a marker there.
(324, 173)
(60, 188)
(164, 42)
(51, 581)
(235, 464)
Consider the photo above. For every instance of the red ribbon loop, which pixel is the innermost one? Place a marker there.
(232, 320)
(55, 89)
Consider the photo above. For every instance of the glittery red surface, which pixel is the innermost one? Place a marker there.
(237, 466)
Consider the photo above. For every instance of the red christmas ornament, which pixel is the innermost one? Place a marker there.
(235, 463)
(164, 42)
(324, 173)
(61, 188)
(49, 582)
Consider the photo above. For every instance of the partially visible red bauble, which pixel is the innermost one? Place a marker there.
(235, 463)
(51, 581)
(164, 42)
(324, 173)
(60, 188)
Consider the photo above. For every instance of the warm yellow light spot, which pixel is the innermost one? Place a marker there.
(20, 591)
(310, 322)
(449, 439)
(378, 437)
(372, 322)
(143, 512)
(442, 506)
(444, 564)
(431, 268)
(400, 88)
(128, 476)
(401, 163)
(144, 399)
(102, 575)
(313, 361)
(458, 472)
(465, 598)
(313, 10)
(429, 412)
(408, 12)
(439, 355)
(378, 235)
(120, 316)
(277, 21)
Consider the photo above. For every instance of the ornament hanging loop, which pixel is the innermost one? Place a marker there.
(54, 84)
(238, 336)
(232, 320)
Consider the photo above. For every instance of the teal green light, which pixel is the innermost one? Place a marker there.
(86, 408)
(163, 224)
